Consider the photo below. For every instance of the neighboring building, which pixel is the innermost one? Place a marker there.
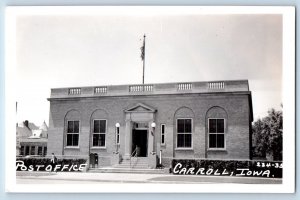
(203, 120)
(32, 140)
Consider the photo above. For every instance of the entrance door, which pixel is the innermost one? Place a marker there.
(140, 140)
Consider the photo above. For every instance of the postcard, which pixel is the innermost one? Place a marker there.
(139, 99)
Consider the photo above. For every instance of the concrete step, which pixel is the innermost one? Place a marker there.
(128, 164)
(138, 158)
(137, 163)
(133, 166)
(134, 163)
(142, 160)
(133, 160)
(127, 170)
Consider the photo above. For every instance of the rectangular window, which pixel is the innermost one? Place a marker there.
(216, 130)
(99, 133)
(117, 135)
(32, 151)
(162, 131)
(26, 150)
(45, 151)
(40, 151)
(184, 133)
(73, 133)
(73, 126)
(22, 151)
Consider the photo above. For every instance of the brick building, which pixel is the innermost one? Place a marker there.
(159, 122)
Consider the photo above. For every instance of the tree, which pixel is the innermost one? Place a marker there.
(267, 135)
(259, 139)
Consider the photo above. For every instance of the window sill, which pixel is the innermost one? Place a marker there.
(183, 149)
(98, 147)
(70, 147)
(215, 149)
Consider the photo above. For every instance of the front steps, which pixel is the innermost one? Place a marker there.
(135, 163)
(138, 165)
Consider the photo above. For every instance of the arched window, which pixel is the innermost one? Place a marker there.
(184, 128)
(72, 121)
(216, 118)
(99, 128)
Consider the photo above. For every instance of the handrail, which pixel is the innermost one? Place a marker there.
(134, 154)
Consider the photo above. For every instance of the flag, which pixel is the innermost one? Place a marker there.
(143, 49)
(143, 52)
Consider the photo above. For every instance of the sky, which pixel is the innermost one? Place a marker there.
(88, 50)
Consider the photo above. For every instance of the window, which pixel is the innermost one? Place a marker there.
(32, 150)
(26, 150)
(184, 133)
(162, 132)
(216, 130)
(45, 151)
(117, 135)
(73, 133)
(99, 132)
(40, 151)
(22, 151)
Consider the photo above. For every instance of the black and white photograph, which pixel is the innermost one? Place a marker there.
(150, 99)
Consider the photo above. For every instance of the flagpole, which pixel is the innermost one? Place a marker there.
(144, 48)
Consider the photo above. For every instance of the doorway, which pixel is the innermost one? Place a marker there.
(140, 141)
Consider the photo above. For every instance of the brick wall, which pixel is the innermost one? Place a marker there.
(236, 107)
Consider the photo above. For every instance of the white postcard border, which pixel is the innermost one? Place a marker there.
(288, 185)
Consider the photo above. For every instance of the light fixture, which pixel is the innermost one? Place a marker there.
(117, 125)
(153, 125)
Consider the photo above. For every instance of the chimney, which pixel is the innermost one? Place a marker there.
(26, 123)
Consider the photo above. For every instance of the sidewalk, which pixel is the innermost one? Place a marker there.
(140, 178)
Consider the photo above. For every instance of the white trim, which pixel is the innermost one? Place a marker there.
(142, 128)
(99, 147)
(148, 109)
(66, 138)
(71, 147)
(183, 149)
(192, 132)
(225, 131)
(161, 134)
